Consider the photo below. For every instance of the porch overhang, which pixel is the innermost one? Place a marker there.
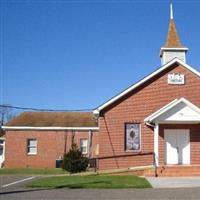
(179, 111)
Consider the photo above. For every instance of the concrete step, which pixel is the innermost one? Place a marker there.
(178, 171)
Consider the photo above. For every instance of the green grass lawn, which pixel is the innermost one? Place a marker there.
(93, 181)
(29, 171)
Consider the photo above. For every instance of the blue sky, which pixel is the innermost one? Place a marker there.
(78, 54)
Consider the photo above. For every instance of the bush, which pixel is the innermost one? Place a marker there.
(74, 161)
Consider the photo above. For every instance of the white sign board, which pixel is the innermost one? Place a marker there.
(176, 79)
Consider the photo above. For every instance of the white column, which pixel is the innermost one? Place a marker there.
(156, 148)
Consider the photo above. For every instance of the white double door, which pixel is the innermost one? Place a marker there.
(177, 143)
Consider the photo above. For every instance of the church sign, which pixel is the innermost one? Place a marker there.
(176, 79)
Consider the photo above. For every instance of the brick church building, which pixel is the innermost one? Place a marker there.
(153, 123)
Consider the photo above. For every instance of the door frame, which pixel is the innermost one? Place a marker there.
(165, 143)
(4, 149)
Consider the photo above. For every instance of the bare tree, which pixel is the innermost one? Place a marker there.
(5, 113)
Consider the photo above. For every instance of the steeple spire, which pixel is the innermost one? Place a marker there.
(173, 40)
(173, 47)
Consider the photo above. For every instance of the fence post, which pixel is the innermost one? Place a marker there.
(96, 164)
(155, 165)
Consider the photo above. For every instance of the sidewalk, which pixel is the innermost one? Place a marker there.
(174, 182)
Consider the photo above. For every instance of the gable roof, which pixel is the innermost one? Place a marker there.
(134, 86)
(54, 119)
(171, 106)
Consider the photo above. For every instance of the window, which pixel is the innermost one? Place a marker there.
(132, 136)
(32, 146)
(84, 146)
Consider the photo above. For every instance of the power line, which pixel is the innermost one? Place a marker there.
(43, 110)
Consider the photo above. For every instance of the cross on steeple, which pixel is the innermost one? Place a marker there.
(171, 11)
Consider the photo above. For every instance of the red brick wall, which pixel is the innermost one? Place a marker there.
(135, 107)
(82, 135)
(50, 146)
(194, 141)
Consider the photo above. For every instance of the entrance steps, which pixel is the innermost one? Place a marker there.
(177, 170)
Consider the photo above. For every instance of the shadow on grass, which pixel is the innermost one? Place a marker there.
(84, 185)
(70, 186)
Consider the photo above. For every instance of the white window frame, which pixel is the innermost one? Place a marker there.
(86, 146)
(29, 146)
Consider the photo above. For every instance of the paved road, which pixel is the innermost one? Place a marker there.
(97, 194)
(19, 192)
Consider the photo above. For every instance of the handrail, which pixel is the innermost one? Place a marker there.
(124, 155)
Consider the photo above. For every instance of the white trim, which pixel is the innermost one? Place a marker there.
(160, 111)
(175, 49)
(32, 146)
(156, 144)
(90, 133)
(49, 128)
(82, 145)
(4, 148)
(176, 60)
(167, 107)
(167, 49)
(32, 154)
